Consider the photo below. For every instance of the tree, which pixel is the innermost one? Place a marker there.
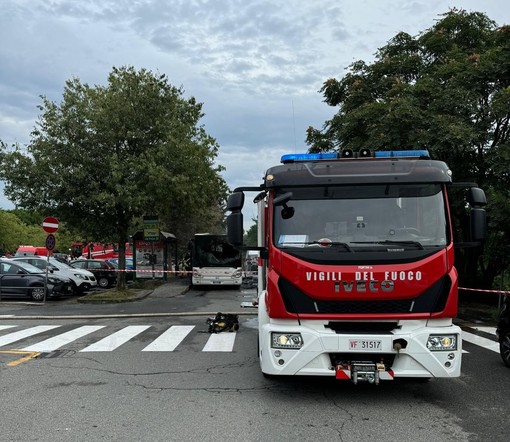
(107, 155)
(14, 232)
(250, 237)
(21, 227)
(446, 90)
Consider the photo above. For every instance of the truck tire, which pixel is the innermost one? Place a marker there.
(504, 347)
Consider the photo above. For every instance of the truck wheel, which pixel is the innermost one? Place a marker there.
(37, 293)
(504, 347)
(103, 282)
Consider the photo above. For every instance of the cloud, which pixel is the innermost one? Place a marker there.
(257, 65)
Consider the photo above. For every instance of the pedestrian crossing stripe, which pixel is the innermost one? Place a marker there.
(220, 342)
(480, 341)
(52, 344)
(5, 327)
(116, 339)
(170, 339)
(22, 334)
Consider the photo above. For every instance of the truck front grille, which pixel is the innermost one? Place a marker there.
(431, 300)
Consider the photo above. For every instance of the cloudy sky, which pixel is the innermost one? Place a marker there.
(256, 65)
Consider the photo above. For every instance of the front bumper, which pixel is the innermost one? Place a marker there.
(62, 288)
(212, 280)
(402, 352)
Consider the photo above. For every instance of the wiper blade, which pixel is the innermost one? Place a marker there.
(392, 242)
(405, 243)
(324, 244)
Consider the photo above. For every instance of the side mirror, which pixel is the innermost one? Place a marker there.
(478, 224)
(477, 200)
(235, 201)
(235, 229)
(476, 197)
(282, 200)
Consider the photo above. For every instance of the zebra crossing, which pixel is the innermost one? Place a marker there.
(489, 344)
(168, 340)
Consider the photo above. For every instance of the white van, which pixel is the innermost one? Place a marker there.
(82, 280)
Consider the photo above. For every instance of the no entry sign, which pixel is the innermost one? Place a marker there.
(50, 224)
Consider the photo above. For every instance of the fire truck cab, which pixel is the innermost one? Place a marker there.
(357, 277)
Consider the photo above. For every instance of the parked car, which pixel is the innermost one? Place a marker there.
(104, 271)
(20, 279)
(503, 332)
(62, 257)
(129, 262)
(130, 267)
(82, 280)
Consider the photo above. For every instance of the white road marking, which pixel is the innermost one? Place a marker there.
(170, 339)
(166, 342)
(220, 342)
(58, 341)
(479, 340)
(5, 327)
(491, 330)
(116, 339)
(22, 334)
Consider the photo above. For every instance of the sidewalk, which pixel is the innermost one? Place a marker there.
(169, 289)
(171, 298)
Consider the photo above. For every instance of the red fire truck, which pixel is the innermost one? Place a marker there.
(95, 250)
(357, 277)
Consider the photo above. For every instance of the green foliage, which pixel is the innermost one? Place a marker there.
(446, 90)
(22, 227)
(250, 237)
(14, 232)
(107, 155)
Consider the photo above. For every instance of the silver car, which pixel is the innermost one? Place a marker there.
(82, 280)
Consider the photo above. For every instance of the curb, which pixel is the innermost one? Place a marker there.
(136, 297)
(125, 315)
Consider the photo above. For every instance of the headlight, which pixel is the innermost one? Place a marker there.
(79, 275)
(442, 342)
(237, 274)
(53, 280)
(286, 340)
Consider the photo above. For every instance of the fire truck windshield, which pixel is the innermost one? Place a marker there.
(406, 216)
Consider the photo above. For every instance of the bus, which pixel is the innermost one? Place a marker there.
(214, 261)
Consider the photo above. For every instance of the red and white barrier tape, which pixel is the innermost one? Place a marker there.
(180, 272)
(503, 292)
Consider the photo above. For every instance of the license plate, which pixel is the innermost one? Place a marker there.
(365, 344)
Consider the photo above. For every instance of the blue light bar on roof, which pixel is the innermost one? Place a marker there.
(348, 154)
(402, 153)
(289, 158)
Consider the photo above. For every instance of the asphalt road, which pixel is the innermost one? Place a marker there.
(156, 387)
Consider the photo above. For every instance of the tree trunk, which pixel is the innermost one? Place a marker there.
(121, 277)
